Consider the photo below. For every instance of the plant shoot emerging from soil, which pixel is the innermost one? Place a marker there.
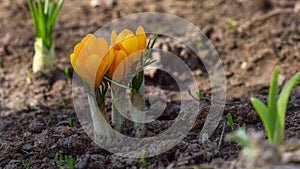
(44, 15)
(273, 114)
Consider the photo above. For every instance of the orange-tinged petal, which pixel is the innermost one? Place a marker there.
(123, 35)
(87, 37)
(119, 56)
(113, 37)
(73, 59)
(141, 36)
(78, 48)
(130, 44)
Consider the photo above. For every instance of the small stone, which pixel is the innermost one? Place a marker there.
(95, 3)
(244, 65)
(165, 47)
(82, 162)
(27, 146)
(64, 141)
(36, 127)
(97, 157)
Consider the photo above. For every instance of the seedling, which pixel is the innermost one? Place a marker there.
(28, 164)
(69, 161)
(230, 121)
(66, 70)
(64, 103)
(70, 122)
(205, 155)
(28, 74)
(47, 122)
(143, 159)
(200, 96)
(243, 139)
(43, 15)
(273, 114)
(231, 24)
(59, 160)
(198, 44)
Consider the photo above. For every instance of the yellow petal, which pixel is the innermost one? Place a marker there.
(123, 35)
(92, 64)
(113, 38)
(119, 56)
(130, 44)
(73, 59)
(141, 36)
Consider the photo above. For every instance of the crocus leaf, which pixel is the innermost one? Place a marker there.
(263, 113)
(283, 100)
(272, 100)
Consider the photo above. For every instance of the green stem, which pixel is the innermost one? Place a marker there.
(43, 57)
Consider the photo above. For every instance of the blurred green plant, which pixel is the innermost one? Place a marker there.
(70, 121)
(205, 155)
(198, 44)
(230, 121)
(28, 74)
(64, 103)
(66, 70)
(200, 96)
(59, 160)
(231, 24)
(47, 122)
(143, 159)
(273, 114)
(69, 161)
(240, 136)
(27, 164)
(44, 15)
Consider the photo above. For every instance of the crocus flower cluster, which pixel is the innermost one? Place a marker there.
(93, 58)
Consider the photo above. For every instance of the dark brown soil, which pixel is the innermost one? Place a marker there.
(34, 111)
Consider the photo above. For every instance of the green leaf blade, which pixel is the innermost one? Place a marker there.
(264, 114)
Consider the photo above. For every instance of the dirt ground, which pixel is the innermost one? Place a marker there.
(34, 111)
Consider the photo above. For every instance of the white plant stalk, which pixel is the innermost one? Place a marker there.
(43, 57)
(101, 127)
(138, 106)
(116, 117)
(138, 103)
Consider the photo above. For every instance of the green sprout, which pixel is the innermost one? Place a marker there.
(273, 114)
(143, 159)
(28, 74)
(28, 164)
(47, 122)
(69, 161)
(243, 139)
(200, 96)
(66, 70)
(198, 44)
(231, 24)
(44, 15)
(70, 122)
(59, 160)
(64, 103)
(230, 121)
(205, 155)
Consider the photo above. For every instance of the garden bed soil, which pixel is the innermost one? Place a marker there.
(34, 110)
